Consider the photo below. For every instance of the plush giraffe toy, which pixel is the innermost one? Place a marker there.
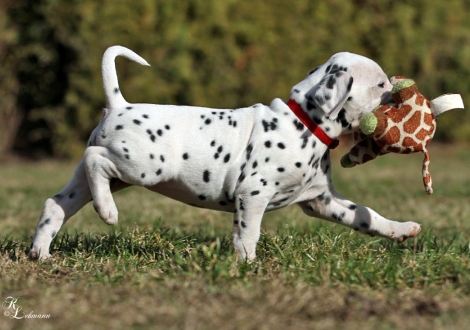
(406, 127)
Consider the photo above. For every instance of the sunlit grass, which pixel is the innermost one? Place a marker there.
(167, 265)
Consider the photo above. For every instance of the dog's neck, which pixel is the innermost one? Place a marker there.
(315, 119)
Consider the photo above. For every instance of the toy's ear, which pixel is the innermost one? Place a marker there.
(333, 91)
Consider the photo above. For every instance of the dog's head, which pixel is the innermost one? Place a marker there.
(344, 88)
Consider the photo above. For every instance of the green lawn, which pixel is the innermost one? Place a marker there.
(170, 266)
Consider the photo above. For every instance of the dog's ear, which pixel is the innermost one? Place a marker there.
(332, 92)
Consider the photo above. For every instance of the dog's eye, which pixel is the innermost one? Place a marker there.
(382, 84)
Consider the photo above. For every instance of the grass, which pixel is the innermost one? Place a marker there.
(170, 266)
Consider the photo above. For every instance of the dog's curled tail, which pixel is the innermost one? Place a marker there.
(112, 92)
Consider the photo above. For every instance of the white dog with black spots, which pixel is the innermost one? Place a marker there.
(245, 161)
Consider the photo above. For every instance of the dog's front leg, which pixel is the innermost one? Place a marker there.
(331, 206)
(247, 218)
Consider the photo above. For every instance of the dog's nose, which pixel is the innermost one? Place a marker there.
(386, 98)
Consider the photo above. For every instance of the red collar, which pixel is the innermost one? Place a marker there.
(310, 124)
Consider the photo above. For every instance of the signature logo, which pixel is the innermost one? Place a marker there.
(14, 311)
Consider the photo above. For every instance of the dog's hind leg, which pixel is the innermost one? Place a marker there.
(57, 210)
(100, 170)
(331, 206)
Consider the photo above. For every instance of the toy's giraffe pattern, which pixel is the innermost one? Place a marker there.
(406, 128)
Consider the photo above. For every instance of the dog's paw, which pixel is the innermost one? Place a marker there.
(406, 230)
(34, 256)
(108, 213)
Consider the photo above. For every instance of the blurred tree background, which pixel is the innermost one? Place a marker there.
(216, 53)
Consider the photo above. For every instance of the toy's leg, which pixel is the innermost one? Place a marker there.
(426, 175)
(333, 207)
(364, 150)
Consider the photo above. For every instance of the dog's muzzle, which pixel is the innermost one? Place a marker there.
(386, 98)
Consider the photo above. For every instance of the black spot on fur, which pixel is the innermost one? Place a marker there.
(249, 149)
(116, 90)
(242, 177)
(213, 143)
(202, 197)
(53, 234)
(352, 206)
(267, 144)
(152, 137)
(152, 156)
(145, 116)
(208, 121)
(206, 176)
(159, 171)
(281, 145)
(185, 156)
(351, 80)
(226, 158)
(328, 68)
(129, 108)
(269, 125)
(126, 156)
(320, 100)
(142, 175)
(243, 224)
(342, 118)
(304, 143)
(219, 149)
(313, 71)
(298, 125)
(317, 120)
(45, 222)
(167, 127)
(125, 149)
(280, 169)
(311, 105)
(266, 159)
(255, 164)
(330, 84)
(159, 132)
(136, 121)
(255, 192)
(162, 158)
(118, 127)
(298, 164)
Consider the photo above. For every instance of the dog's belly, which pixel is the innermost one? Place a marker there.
(218, 200)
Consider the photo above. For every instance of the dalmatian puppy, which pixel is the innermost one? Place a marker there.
(245, 161)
